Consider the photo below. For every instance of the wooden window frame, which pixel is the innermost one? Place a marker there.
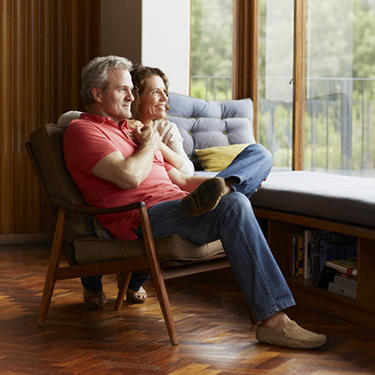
(246, 67)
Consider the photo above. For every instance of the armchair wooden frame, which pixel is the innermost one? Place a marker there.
(148, 263)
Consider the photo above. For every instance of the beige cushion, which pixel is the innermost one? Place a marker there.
(92, 249)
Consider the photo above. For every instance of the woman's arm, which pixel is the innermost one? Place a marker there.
(172, 147)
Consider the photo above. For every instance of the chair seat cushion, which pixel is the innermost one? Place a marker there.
(174, 247)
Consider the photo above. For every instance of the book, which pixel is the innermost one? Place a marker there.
(294, 254)
(307, 254)
(345, 281)
(300, 271)
(348, 266)
(327, 275)
(336, 246)
(342, 290)
(315, 255)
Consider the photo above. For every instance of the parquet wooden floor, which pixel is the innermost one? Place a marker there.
(216, 337)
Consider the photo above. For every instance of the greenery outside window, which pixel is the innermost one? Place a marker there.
(211, 49)
(309, 68)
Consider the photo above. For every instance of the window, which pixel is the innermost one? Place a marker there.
(336, 130)
(211, 49)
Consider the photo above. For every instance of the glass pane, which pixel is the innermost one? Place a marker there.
(211, 49)
(276, 72)
(340, 72)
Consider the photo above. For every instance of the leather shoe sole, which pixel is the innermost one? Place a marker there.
(293, 336)
(204, 198)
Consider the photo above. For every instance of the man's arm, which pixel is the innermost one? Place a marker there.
(130, 172)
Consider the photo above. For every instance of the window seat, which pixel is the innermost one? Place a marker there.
(292, 201)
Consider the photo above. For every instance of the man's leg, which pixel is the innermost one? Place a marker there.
(234, 223)
(261, 281)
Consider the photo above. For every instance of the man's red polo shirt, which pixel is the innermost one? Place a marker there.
(89, 139)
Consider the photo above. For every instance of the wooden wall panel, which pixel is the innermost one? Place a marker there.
(43, 46)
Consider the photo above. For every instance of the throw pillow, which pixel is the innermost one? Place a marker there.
(215, 159)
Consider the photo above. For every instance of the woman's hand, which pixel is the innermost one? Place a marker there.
(147, 135)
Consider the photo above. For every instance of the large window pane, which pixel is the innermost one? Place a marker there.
(276, 72)
(211, 49)
(340, 72)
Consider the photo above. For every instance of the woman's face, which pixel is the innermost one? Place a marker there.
(154, 100)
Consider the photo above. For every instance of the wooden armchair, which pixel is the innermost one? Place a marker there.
(89, 255)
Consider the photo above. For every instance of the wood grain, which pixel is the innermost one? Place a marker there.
(215, 333)
(43, 46)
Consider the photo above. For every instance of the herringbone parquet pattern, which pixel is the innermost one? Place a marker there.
(215, 333)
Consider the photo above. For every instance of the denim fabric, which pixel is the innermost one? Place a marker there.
(234, 223)
(94, 283)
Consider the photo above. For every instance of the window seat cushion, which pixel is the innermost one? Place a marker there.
(334, 197)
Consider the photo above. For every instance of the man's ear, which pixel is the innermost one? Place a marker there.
(96, 94)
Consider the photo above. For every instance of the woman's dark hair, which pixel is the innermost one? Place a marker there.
(139, 75)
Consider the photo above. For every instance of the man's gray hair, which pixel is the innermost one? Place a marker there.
(95, 74)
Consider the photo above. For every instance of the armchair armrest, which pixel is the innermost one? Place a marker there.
(71, 207)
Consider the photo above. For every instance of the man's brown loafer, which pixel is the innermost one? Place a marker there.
(293, 336)
(204, 198)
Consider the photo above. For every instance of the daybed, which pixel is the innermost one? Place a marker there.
(290, 200)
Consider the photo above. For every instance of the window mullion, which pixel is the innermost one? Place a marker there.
(299, 84)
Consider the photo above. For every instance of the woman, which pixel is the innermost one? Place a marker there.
(149, 108)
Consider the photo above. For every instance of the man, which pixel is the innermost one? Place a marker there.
(112, 169)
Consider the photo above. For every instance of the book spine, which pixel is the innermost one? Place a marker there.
(342, 269)
(344, 281)
(300, 271)
(295, 254)
(307, 254)
(315, 255)
(342, 290)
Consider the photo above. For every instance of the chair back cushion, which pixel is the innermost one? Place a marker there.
(47, 145)
(204, 124)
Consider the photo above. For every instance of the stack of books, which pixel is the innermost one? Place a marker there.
(345, 279)
(311, 249)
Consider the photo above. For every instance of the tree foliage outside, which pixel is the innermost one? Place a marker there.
(340, 87)
(211, 47)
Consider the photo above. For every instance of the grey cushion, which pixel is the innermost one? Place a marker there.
(327, 196)
(205, 124)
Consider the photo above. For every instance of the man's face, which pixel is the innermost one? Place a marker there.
(116, 100)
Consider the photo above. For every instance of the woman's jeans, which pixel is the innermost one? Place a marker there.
(234, 223)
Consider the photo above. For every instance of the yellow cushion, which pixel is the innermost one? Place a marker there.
(214, 159)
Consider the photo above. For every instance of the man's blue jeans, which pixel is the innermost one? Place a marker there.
(234, 223)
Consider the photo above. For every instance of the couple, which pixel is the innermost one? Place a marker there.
(114, 164)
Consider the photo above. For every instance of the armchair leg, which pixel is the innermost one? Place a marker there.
(157, 276)
(123, 280)
(53, 265)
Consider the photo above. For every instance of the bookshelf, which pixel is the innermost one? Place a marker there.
(362, 310)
